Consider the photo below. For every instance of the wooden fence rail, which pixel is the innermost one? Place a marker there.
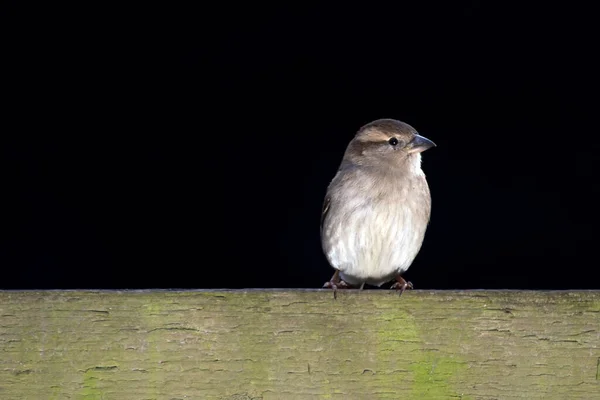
(288, 344)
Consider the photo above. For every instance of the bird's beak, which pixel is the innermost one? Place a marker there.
(419, 144)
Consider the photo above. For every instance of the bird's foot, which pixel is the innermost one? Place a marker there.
(336, 283)
(401, 285)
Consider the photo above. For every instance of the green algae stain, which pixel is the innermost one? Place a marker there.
(429, 374)
(595, 306)
(152, 308)
(152, 315)
(55, 393)
(257, 355)
(433, 375)
(90, 390)
(396, 335)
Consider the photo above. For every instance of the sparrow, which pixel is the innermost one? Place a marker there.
(377, 207)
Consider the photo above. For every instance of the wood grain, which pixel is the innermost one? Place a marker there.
(288, 344)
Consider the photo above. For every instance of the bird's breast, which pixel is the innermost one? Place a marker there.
(376, 234)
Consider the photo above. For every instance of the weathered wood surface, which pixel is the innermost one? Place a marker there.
(270, 344)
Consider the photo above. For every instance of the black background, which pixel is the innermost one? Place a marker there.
(191, 148)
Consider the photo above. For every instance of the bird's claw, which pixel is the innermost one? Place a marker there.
(335, 285)
(401, 285)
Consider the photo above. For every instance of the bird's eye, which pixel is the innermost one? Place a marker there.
(393, 141)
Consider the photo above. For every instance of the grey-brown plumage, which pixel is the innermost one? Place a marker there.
(377, 207)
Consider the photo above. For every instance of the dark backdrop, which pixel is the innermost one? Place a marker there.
(192, 148)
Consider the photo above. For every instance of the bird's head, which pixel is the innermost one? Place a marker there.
(387, 143)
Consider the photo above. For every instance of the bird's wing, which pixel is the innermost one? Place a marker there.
(325, 210)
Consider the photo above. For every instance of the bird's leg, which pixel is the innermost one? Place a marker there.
(336, 283)
(401, 285)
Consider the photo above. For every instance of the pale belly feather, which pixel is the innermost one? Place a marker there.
(385, 242)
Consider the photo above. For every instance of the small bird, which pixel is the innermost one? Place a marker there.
(377, 207)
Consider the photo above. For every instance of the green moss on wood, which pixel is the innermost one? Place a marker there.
(299, 344)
